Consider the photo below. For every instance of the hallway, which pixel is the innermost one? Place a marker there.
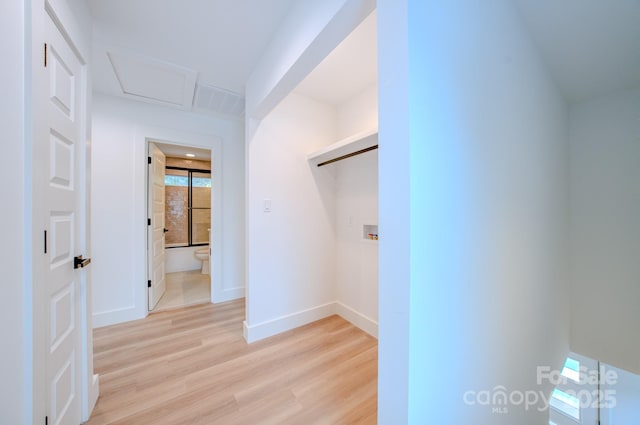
(192, 366)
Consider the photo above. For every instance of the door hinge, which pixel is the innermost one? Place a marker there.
(148, 160)
(45, 241)
(46, 420)
(148, 222)
(148, 284)
(45, 55)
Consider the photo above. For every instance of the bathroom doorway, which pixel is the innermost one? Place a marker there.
(179, 226)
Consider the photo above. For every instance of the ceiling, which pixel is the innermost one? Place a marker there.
(178, 151)
(198, 54)
(348, 70)
(218, 40)
(591, 47)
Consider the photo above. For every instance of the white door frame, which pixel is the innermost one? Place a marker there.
(187, 139)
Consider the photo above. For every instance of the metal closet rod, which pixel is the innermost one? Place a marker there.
(349, 155)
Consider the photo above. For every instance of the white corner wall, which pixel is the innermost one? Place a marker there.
(356, 193)
(349, 200)
(605, 208)
(394, 212)
(360, 113)
(473, 209)
(291, 261)
(118, 209)
(15, 251)
(281, 129)
(624, 391)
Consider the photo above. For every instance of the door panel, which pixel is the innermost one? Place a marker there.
(63, 394)
(62, 315)
(62, 85)
(62, 169)
(61, 225)
(155, 246)
(58, 281)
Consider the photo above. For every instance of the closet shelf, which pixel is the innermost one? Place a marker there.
(354, 145)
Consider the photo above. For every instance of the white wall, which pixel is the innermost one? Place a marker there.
(624, 390)
(289, 130)
(291, 257)
(360, 113)
(118, 210)
(356, 193)
(15, 311)
(394, 216)
(473, 178)
(605, 206)
(348, 191)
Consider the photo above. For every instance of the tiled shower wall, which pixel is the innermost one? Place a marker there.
(176, 207)
(176, 215)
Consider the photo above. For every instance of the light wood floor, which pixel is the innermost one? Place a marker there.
(192, 366)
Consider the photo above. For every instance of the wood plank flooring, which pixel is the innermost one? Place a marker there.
(192, 366)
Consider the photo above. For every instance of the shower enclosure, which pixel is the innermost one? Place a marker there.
(188, 207)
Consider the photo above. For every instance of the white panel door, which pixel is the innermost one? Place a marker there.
(155, 231)
(57, 147)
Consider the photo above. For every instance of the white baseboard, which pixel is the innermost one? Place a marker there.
(245, 330)
(113, 317)
(126, 314)
(288, 322)
(226, 295)
(284, 323)
(359, 320)
(94, 392)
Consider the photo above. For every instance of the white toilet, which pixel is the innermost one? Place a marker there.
(202, 254)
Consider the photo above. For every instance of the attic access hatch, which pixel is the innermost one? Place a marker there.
(351, 146)
(153, 81)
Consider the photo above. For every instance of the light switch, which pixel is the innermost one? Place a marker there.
(267, 205)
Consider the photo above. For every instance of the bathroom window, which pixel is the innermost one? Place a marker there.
(188, 207)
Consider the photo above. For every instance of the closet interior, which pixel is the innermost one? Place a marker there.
(347, 170)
